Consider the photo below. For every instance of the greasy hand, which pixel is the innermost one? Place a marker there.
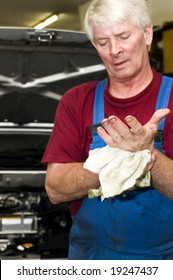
(131, 135)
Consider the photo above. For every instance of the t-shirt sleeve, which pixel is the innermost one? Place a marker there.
(64, 143)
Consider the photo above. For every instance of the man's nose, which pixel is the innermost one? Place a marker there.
(115, 48)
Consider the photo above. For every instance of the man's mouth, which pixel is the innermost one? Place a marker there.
(119, 63)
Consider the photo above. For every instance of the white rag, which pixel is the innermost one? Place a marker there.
(118, 170)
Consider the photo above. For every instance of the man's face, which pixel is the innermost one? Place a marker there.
(123, 49)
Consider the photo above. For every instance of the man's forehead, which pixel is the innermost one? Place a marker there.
(116, 29)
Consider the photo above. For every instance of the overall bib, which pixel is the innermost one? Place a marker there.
(136, 225)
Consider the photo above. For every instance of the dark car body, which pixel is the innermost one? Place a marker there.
(36, 68)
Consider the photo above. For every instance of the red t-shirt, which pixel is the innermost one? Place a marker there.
(71, 137)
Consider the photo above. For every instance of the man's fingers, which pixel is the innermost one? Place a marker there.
(116, 128)
(134, 125)
(156, 117)
(119, 134)
(151, 124)
(105, 136)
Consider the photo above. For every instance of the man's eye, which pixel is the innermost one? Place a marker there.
(125, 36)
(102, 44)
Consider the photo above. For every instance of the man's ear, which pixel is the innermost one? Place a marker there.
(148, 34)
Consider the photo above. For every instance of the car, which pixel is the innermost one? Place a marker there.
(36, 68)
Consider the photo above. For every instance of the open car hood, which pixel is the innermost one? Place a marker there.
(37, 67)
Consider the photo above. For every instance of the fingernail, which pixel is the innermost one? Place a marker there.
(112, 120)
(99, 130)
(129, 118)
(105, 123)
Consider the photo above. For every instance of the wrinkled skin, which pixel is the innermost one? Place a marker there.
(131, 135)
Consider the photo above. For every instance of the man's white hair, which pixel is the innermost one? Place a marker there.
(107, 13)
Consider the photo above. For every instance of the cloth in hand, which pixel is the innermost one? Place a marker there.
(118, 170)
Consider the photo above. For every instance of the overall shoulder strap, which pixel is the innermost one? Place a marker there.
(163, 97)
(98, 115)
(162, 102)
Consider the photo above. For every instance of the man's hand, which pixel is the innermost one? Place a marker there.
(131, 135)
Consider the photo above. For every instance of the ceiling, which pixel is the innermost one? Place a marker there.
(27, 13)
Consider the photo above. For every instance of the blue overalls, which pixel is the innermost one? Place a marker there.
(137, 225)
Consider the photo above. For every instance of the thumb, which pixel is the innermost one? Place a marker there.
(156, 118)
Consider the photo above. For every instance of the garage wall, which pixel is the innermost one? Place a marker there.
(161, 11)
(82, 10)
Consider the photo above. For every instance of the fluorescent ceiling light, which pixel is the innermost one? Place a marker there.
(46, 22)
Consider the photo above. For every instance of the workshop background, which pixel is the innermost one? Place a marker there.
(37, 65)
(28, 13)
